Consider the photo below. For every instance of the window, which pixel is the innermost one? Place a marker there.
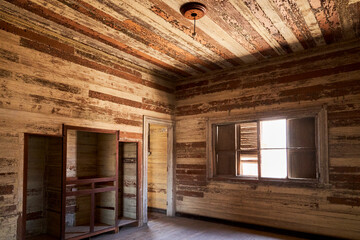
(288, 148)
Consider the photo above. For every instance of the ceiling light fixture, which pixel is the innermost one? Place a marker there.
(193, 11)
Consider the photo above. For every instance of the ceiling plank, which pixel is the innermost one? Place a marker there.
(310, 20)
(13, 14)
(258, 26)
(349, 18)
(152, 41)
(182, 29)
(140, 34)
(327, 16)
(68, 18)
(142, 12)
(283, 29)
(227, 17)
(293, 18)
(180, 23)
(353, 1)
(216, 32)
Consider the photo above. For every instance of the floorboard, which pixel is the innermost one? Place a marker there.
(161, 227)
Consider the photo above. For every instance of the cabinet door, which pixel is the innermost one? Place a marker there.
(128, 185)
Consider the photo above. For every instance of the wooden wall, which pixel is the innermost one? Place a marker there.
(328, 76)
(157, 167)
(106, 155)
(54, 71)
(51, 75)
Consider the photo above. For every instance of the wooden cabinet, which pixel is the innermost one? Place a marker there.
(88, 184)
(100, 182)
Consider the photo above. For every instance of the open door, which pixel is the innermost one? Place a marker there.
(42, 187)
(158, 167)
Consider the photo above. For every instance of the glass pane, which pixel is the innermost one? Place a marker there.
(302, 164)
(273, 134)
(248, 169)
(273, 163)
(247, 164)
(302, 132)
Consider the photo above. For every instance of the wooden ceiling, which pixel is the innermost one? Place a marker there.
(152, 35)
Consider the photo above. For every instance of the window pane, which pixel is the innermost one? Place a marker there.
(273, 163)
(302, 132)
(225, 137)
(302, 164)
(225, 163)
(247, 164)
(248, 169)
(273, 134)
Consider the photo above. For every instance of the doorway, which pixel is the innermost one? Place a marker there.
(158, 180)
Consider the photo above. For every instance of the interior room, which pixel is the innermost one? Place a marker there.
(153, 119)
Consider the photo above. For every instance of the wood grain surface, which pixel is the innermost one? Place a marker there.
(105, 64)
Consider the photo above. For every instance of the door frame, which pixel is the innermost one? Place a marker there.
(170, 192)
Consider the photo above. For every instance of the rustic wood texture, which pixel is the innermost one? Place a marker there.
(157, 167)
(105, 64)
(106, 155)
(136, 40)
(164, 227)
(53, 73)
(328, 76)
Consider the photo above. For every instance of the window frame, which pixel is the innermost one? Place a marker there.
(321, 141)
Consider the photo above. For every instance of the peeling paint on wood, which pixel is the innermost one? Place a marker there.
(105, 64)
(266, 88)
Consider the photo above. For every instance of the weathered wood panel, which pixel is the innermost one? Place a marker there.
(105, 64)
(325, 77)
(139, 39)
(157, 167)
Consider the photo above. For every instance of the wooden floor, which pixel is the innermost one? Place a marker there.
(166, 228)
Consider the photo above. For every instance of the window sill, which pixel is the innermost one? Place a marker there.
(296, 183)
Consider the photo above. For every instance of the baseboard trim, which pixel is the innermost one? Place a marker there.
(258, 227)
(157, 210)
